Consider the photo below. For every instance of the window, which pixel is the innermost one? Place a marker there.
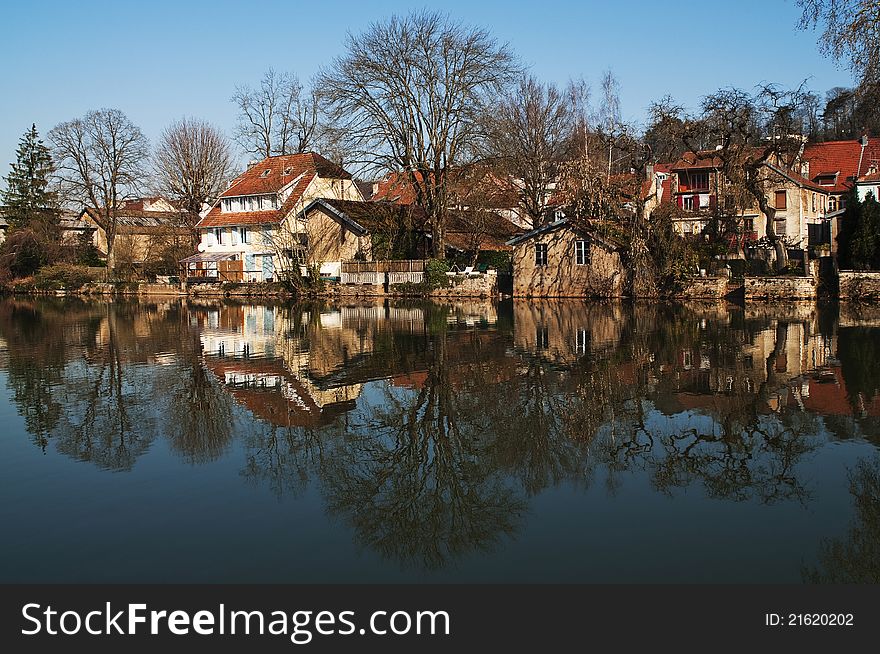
(582, 341)
(542, 338)
(245, 238)
(781, 201)
(540, 254)
(266, 172)
(698, 181)
(814, 202)
(581, 253)
(827, 180)
(288, 171)
(832, 204)
(749, 224)
(218, 235)
(688, 203)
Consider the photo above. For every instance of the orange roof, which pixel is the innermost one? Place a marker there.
(841, 157)
(702, 159)
(267, 177)
(274, 173)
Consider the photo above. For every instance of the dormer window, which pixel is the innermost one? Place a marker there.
(250, 203)
(288, 171)
(266, 172)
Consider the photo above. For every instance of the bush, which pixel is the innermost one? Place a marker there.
(435, 273)
(62, 277)
(22, 253)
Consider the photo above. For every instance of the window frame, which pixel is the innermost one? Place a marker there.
(581, 252)
(784, 195)
(541, 254)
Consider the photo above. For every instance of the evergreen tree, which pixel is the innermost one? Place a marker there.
(27, 196)
(859, 238)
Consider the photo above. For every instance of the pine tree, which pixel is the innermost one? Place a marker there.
(28, 196)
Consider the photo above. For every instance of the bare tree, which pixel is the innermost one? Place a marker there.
(407, 94)
(755, 133)
(529, 131)
(100, 162)
(851, 33)
(276, 118)
(192, 163)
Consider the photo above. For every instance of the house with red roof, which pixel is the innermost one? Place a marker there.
(839, 167)
(697, 186)
(255, 231)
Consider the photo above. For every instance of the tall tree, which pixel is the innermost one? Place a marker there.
(28, 194)
(851, 33)
(101, 160)
(407, 94)
(192, 163)
(529, 130)
(279, 117)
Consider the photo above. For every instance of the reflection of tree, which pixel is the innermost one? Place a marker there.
(37, 358)
(283, 458)
(414, 479)
(109, 421)
(200, 420)
(855, 559)
(859, 353)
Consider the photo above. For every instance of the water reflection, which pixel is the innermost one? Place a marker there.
(427, 429)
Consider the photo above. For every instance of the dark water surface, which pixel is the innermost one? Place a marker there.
(548, 441)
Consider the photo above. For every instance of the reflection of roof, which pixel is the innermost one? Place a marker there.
(286, 403)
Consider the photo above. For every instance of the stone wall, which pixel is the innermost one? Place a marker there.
(859, 285)
(479, 285)
(709, 288)
(780, 288)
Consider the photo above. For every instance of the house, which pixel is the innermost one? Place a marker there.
(343, 230)
(696, 184)
(562, 259)
(868, 184)
(469, 188)
(836, 165)
(256, 230)
(142, 226)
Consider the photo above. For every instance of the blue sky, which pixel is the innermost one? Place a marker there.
(159, 60)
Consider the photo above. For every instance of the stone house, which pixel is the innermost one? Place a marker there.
(562, 259)
(696, 185)
(256, 231)
(142, 226)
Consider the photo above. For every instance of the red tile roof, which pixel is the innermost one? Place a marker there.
(703, 159)
(842, 157)
(282, 170)
(255, 180)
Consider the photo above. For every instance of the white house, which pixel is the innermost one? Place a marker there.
(251, 233)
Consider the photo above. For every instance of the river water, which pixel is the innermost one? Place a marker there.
(566, 441)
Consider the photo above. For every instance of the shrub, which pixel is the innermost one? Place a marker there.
(62, 277)
(22, 253)
(435, 273)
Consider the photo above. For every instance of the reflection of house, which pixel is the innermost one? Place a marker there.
(255, 230)
(564, 331)
(565, 260)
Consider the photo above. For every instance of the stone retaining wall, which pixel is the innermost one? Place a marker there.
(482, 285)
(780, 288)
(710, 288)
(859, 285)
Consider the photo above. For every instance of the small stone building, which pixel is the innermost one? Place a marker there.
(563, 260)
